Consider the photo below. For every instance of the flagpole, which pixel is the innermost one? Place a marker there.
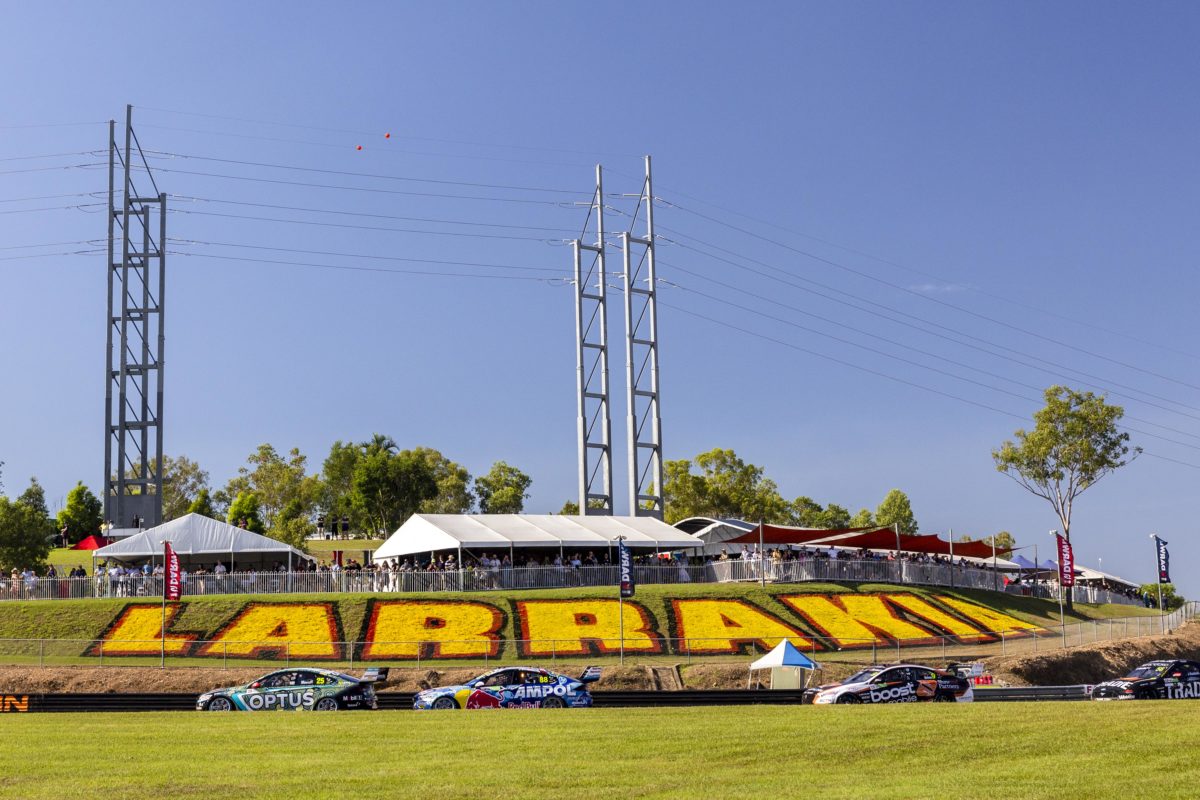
(1062, 620)
(621, 595)
(162, 632)
(1158, 572)
(762, 562)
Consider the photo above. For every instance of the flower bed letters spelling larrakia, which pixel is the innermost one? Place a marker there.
(434, 629)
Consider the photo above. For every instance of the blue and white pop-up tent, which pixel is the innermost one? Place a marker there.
(785, 663)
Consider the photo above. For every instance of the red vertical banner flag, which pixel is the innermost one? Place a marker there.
(173, 581)
(1066, 562)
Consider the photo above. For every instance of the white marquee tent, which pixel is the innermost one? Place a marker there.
(785, 663)
(426, 533)
(201, 541)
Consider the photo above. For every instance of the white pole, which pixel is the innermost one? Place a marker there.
(762, 562)
(951, 558)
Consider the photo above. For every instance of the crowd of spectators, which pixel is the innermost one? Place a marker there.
(497, 570)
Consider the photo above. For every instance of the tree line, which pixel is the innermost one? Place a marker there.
(720, 484)
(370, 487)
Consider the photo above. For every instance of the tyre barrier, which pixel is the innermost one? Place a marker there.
(398, 701)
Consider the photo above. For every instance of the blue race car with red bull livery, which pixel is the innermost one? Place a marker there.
(513, 687)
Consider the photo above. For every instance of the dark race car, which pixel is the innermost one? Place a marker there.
(895, 683)
(1154, 680)
(298, 689)
(513, 687)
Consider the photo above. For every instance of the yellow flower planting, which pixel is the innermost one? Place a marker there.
(583, 627)
(990, 619)
(864, 620)
(729, 626)
(408, 629)
(266, 630)
(138, 631)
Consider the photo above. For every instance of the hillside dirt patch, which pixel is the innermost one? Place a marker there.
(1093, 663)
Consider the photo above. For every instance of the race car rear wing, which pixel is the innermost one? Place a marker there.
(590, 675)
(377, 675)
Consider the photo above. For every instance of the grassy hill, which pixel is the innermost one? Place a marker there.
(82, 621)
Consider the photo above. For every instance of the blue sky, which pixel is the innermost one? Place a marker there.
(1021, 174)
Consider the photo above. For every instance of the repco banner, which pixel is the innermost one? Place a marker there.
(1164, 561)
(626, 564)
(1066, 562)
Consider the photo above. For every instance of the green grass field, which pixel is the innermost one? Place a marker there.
(997, 750)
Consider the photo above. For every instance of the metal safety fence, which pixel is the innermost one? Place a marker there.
(385, 580)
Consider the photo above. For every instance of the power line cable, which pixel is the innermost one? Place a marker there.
(50, 155)
(50, 197)
(982, 346)
(372, 190)
(535, 148)
(389, 150)
(892, 263)
(48, 169)
(309, 209)
(366, 256)
(366, 227)
(943, 303)
(709, 318)
(901, 359)
(77, 206)
(354, 268)
(377, 175)
(845, 325)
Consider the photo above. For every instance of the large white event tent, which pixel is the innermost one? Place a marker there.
(428, 533)
(201, 541)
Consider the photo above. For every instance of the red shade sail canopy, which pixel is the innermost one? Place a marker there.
(92, 542)
(870, 538)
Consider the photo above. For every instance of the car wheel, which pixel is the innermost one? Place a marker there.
(553, 702)
(848, 699)
(444, 703)
(219, 704)
(326, 704)
(943, 698)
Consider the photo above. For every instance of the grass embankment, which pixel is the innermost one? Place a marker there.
(80, 621)
(1014, 751)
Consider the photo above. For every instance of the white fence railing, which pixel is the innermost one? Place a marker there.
(534, 577)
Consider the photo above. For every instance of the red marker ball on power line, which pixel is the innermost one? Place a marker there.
(359, 147)
(387, 136)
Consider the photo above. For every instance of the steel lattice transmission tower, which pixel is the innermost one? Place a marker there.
(133, 394)
(591, 335)
(644, 417)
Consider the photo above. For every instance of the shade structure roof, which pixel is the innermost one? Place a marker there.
(1025, 563)
(425, 533)
(784, 654)
(1089, 574)
(873, 538)
(194, 535)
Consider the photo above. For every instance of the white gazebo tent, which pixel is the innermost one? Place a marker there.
(428, 533)
(201, 541)
(785, 663)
